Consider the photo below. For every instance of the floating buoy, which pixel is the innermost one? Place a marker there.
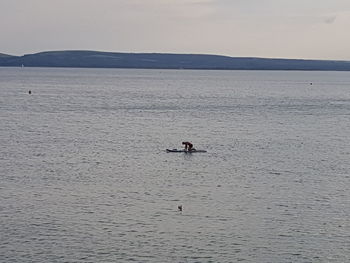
(30, 92)
(179, 207)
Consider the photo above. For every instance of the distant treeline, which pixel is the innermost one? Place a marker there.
(95, 59)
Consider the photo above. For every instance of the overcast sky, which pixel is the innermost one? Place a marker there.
(311, 29)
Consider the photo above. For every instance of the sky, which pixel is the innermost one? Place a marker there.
(307, 29)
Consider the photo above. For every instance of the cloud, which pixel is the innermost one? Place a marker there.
(330, 19)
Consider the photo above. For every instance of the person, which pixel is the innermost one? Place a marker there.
(188, 146)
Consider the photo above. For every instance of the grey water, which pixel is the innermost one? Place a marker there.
(84, 176)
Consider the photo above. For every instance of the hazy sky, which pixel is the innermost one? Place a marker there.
(317, 29)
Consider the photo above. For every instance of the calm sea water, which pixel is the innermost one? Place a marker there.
(84, 176)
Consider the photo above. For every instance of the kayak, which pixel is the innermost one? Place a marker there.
(184, 151)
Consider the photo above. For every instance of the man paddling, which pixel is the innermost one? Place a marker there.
(188, 146)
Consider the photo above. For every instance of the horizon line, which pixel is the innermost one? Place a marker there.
(172, 53)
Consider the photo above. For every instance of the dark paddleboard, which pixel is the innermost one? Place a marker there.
(184, 151)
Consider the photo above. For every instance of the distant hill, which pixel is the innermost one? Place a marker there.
(95, 59)
(5, 55)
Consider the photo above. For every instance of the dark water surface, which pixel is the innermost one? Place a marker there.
(84, 176)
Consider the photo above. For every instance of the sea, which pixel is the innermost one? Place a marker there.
(84, 175)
